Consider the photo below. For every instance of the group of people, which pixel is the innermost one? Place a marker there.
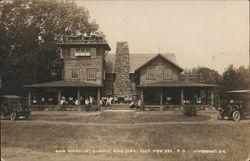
(81, 101)
(137, 105)
(106, 102)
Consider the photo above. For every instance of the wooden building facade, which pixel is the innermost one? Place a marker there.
(90, 71)
(83, 74)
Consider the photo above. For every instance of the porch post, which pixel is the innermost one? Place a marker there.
(98, 96)
(29, 97)
(59, 95)
(182, 96)
(142, 99)
(78, 94)
(212, 97)
(161, 98)
(206, 91)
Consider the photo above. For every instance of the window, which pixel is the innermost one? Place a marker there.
(82, 52)
(74, 73)
(91, 73)
(167, 73)
(151, 72)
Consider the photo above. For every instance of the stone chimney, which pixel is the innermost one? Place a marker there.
(122, 83)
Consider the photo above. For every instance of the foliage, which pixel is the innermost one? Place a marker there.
(235, 78)
(231, 79)
(28, 29)
(209, 75)
(190, 110)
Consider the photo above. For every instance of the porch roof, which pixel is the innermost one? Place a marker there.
(177, 83)
(63, 83)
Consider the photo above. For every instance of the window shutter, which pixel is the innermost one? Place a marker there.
(168, 73)
(93, 52)
(72, 53)
(151, 72)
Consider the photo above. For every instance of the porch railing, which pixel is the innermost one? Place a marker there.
(81, 39)
(192, 77)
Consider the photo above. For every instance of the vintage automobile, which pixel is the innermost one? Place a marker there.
(12, 107)
(237, 107)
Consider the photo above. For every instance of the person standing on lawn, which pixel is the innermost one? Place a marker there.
(108, 103)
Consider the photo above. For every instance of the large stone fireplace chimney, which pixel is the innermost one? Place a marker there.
(122, 84)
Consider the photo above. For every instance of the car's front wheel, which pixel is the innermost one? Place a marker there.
(236, 116)
(13, 116)
(220, 117)
(28, 116)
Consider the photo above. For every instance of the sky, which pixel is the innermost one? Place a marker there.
(213, 34)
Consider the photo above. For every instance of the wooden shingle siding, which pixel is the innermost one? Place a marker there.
(159, 65)
(82, 63)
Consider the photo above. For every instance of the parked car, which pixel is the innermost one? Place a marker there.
(13, 107)
(237, 107)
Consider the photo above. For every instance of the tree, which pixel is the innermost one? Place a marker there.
(212, 77)
(234, 79)
(209, 75)
(28, 30)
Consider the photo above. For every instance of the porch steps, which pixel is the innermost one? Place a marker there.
(120, 107)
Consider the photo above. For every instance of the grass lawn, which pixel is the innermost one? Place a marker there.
(45, 138)
(112, 117)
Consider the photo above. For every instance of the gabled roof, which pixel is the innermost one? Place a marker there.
(157, 56)
(63, 83)
(177, 83)
(137, 60)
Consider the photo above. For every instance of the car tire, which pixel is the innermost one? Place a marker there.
(28, 117)
(13, 116)
(2, 114)
(236, 116)
(220, 117)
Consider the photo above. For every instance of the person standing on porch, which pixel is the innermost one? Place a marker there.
(100, 104)
(87, 104)
(91, 100)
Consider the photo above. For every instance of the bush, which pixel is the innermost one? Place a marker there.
(190, 110)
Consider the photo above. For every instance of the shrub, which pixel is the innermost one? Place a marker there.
(190, 110)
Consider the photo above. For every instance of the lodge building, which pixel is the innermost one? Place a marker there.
(89, 70)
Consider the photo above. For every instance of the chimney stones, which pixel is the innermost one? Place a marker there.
(122, 83)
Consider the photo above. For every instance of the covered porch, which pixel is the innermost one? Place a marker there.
(61, 93)
(177, 93)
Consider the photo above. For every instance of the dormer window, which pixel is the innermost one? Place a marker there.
(82, 52)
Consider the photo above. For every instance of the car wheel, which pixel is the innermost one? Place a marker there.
(2, 114)
(236, 116)
(220, 117)
(13, 116)
(28, 117)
